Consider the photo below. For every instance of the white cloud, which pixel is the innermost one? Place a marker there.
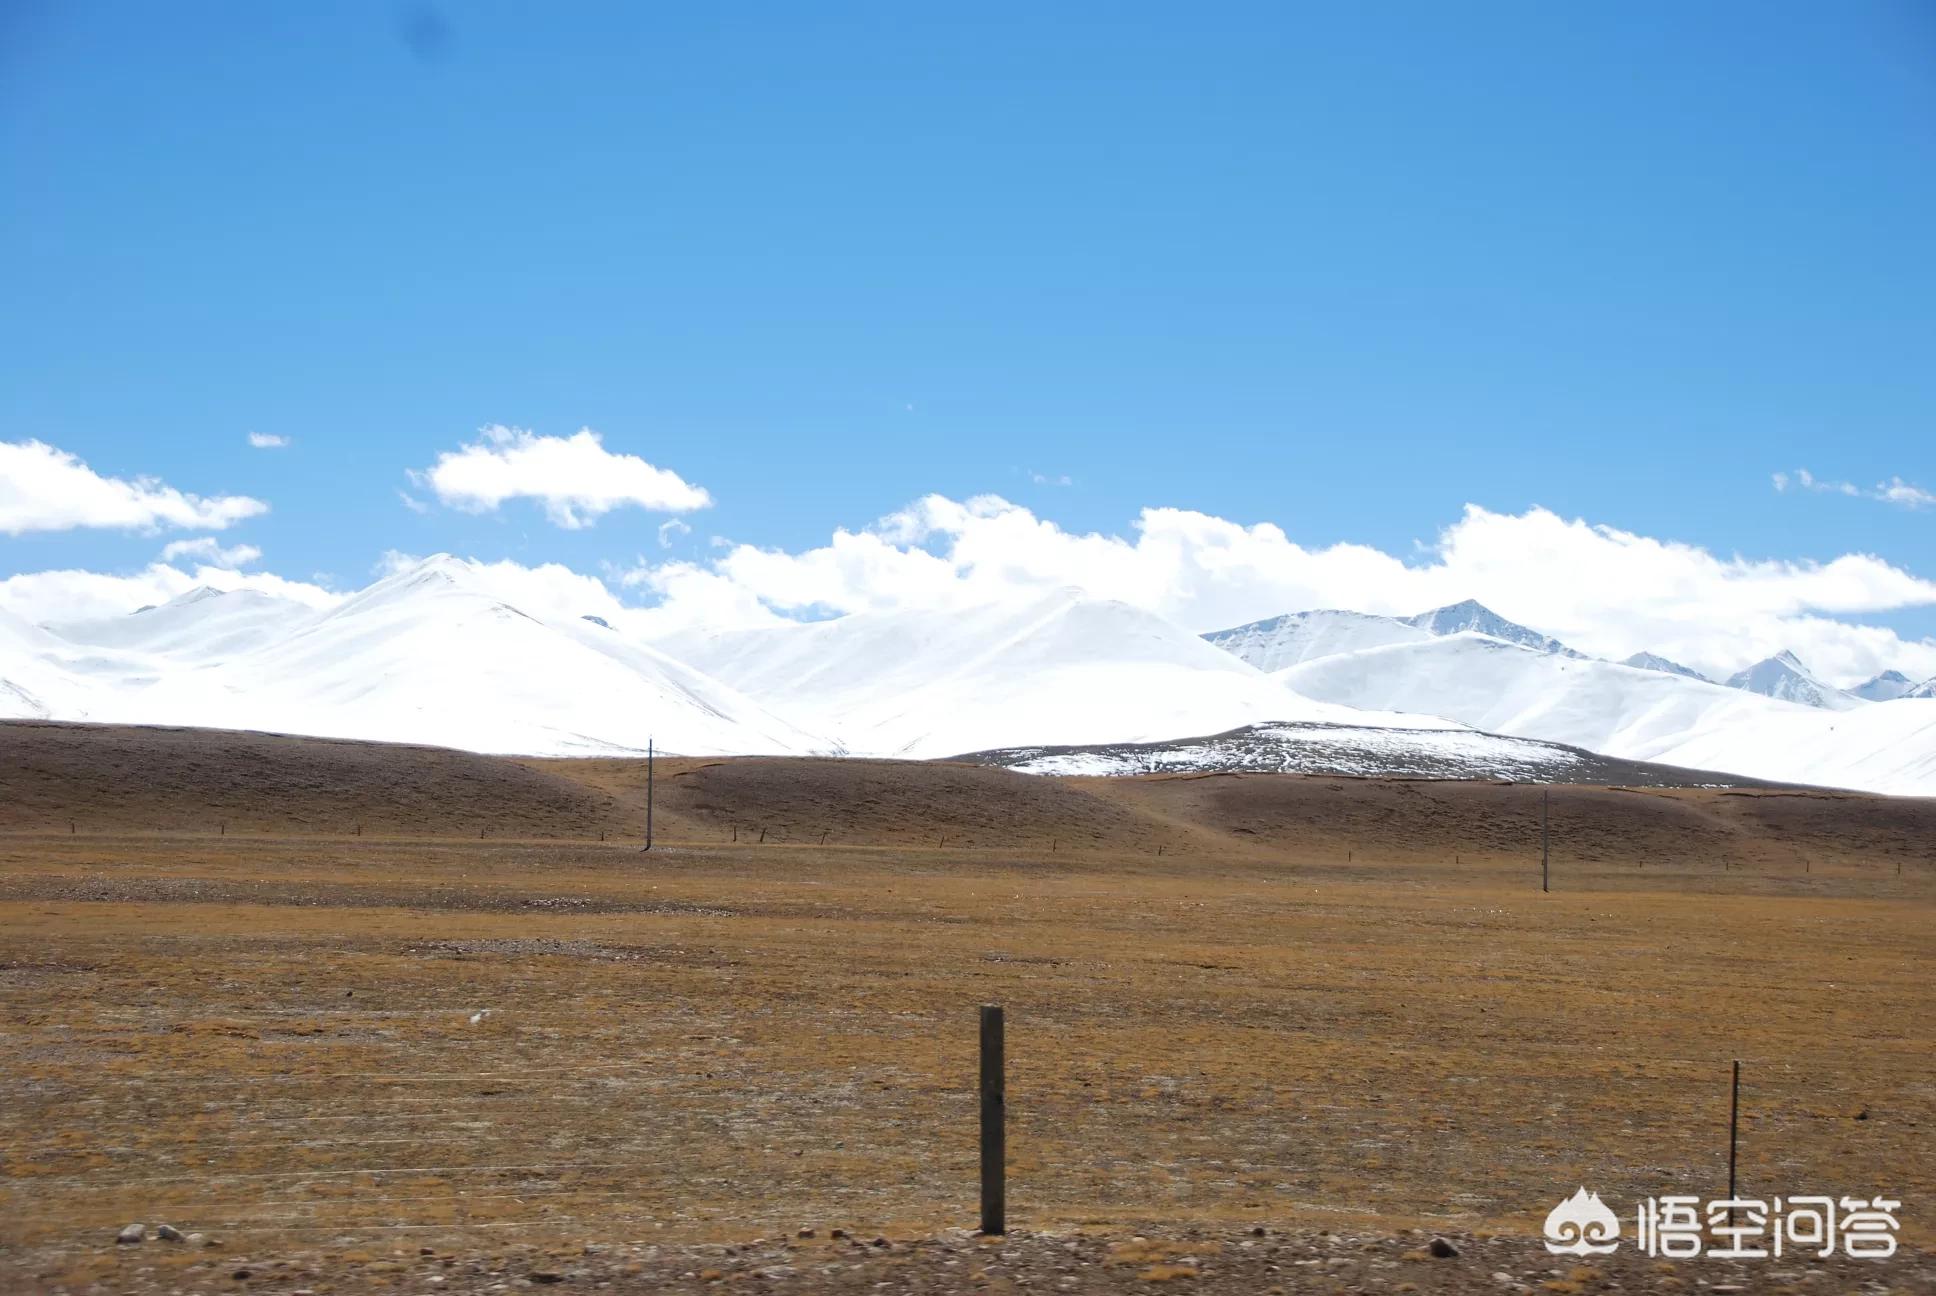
(1606, 591)
(1051, 479)
(576, 478)
(270, 441)
(412, 503)
(209, 550)
(83, 595)
(46, 489)
(670, 528)
(1899, 492)
(692, 596)
(1894, 491)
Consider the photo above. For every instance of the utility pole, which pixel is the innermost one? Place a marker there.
(648, 797)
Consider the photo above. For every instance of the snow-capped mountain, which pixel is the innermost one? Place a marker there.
(1473, 617)
(1297, 637)
(1654, 661)
(35, 682)
(202, 626)
(434, 655)
(1063, 668)
(428, 655)
(1641, 715)
(1301, 636)
(1878, 748)
(1783, 676)
(1498, 687)
(1886, 687)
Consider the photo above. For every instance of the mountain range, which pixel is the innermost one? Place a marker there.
(1886, 687)
(432, 654)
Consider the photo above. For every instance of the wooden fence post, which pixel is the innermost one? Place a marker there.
(1734, 1128)
(994, 1112)
(1545, 839)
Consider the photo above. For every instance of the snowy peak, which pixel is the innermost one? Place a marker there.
(200, 594)
(1783, 676)
(198, 628)
(1298, 637)
(1062, 668)
(434, 575)
(1926, 689)
(1474, 617)
(1886, 687)
(1655, 662)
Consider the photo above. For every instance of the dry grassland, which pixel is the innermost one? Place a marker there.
(1328, 1003)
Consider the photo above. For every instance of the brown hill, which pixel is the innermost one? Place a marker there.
(103, 779)
(113, 778)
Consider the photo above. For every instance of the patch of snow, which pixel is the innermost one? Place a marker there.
(1314, 749)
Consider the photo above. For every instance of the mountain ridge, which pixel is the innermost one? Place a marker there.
(435, 653)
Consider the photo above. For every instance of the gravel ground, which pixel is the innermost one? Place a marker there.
(1259, 1260)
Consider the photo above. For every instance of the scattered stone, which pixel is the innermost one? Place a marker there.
(546, 1276)
(168, 1233)
(880, 1241)
(195, 1240)
(1258, 1231)
(1439, 1247)
(242, 1275)
(131, 1235)
(838, 1233)
(807, 1233)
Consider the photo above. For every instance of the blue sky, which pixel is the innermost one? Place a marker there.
(1346, 268)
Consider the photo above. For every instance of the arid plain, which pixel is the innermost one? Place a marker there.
(354, 1011)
